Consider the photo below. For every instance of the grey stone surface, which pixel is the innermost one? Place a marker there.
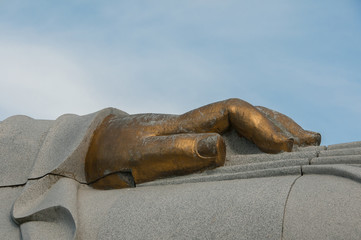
(237, 209)
(20, 140)
(323, 207)
(258, 166)
(96, 203)
(309, 148)
(341, 152)
(348, 159)
(47, 208)
(238, 145)
(345, 145)
(281, 171)
(55, 226)
(8, 229)
(257, 158)
(65, 146)
(346, 171)
(33, 148)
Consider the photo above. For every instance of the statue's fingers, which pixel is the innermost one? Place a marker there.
(179, 154)
(289, 127)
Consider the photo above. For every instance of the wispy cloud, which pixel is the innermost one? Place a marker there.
(42, 82)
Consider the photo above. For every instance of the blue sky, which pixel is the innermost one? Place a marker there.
(301, 58)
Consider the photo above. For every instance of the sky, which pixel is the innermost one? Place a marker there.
(301, 58)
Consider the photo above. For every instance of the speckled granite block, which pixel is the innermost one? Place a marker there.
(257, 158)
(8, 228)
(345, 145)
(348, 159)
(340, 152)
(271, 172)
(323, 207)
(20, 139)
(237, 209)
(341, 170)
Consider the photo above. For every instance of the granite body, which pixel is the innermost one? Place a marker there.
(311, 193)
(323, 207)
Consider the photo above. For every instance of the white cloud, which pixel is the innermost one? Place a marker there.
(42, 82)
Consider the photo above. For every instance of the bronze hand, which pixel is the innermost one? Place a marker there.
(146, 147)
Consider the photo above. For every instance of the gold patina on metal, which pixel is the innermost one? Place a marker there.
(133, 149)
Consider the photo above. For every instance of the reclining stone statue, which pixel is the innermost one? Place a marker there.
(74, 177)
(131, 149)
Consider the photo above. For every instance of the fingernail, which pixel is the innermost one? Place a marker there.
(318, 139)
(207, 147)
(290, 142)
